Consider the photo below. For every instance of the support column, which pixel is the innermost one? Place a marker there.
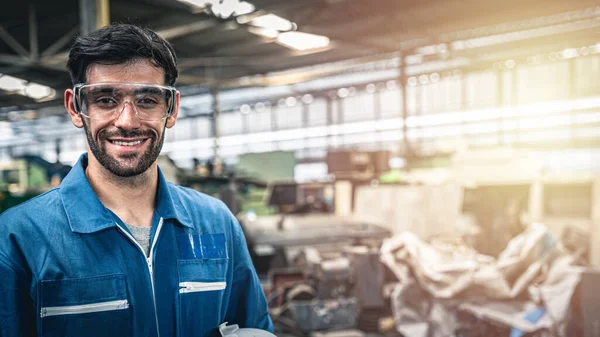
(500, 104)
(595, 224)
(34, 50)
(93, 14)
(102, 13)
(329, 113)
(572, 95)
(214, 90)
(57, 149)
(404, 97)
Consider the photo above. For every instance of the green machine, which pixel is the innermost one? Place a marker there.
(26, 177)
(239, 194)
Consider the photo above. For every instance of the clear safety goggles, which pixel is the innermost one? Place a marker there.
(105, 101)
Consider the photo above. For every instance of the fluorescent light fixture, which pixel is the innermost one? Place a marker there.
(223, 9)
(244, 8)
(10, 83)
(264, 32)
(38, 91)
(302, 41)
(22, 87)
(272, 21)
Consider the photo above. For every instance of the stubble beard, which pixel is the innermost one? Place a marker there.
(113, 164)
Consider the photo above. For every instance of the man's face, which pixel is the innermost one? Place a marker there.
(125, 145)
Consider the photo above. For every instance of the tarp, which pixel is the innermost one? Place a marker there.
(439, 279)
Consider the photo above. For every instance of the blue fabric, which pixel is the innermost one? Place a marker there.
(532, 317)
(204, 246)
(64, 248)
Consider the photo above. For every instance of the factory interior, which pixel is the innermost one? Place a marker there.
(416, 168)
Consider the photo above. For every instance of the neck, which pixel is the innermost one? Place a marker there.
(132, 199)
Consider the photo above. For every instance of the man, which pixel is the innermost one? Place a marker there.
(116, 250)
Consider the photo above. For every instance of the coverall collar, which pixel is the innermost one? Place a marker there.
(86, 214)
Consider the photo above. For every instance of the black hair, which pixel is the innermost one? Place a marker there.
(121, 43)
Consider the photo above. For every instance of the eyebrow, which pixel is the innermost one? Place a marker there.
(101, 90)
(150, 90)
(142, 90)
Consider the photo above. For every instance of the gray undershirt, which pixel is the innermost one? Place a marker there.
(142, 236)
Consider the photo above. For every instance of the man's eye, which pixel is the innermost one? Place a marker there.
(105, 101)
(147, 102)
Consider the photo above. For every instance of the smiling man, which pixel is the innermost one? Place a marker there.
(116, 250)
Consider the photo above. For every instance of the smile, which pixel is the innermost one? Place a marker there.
(131, 143)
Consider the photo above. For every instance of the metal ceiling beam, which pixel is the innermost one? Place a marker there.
(12, 43)
(287, 76)
(20, 61)
(187, 29)
(25, 62)
(170, 33)
(34, 48)
(60, 43)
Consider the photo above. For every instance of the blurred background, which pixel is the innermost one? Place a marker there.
(399, 168)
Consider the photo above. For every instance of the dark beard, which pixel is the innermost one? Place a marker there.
(112, 165)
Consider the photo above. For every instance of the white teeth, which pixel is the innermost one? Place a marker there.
(127, 143)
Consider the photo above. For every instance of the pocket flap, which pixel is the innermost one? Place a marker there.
(80, 291)
(202, 270)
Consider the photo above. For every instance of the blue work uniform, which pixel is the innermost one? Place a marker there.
(70, 267)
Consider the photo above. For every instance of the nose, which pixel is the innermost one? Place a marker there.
(127, 118)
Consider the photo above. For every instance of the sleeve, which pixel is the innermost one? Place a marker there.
(247, 305)
(17, 316)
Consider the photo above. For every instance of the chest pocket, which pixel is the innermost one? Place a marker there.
(202, 285)
(92, 306)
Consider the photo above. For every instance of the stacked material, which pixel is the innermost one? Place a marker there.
(527, 289)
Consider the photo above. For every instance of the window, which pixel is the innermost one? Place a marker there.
(574, 200)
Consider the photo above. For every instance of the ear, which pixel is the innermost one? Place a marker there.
(70, 106)
(173, 118)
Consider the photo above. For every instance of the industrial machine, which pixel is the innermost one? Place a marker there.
(26, 177)
(329, 291)
(321, 272)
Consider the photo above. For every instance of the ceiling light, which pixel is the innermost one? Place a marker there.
(38, 91)
(10, 83)
(290, 101)
(570, 53)
(244, 8)
(260, 107)
(307, 99)
(22, 87)
(264, 32)
(245, 109)
(302, 41)
(223, 8)
(272, 21)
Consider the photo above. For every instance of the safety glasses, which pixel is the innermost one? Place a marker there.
(105, 101)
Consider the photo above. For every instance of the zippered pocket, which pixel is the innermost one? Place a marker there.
(202, 288)
(84, 308)
(194, 287)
